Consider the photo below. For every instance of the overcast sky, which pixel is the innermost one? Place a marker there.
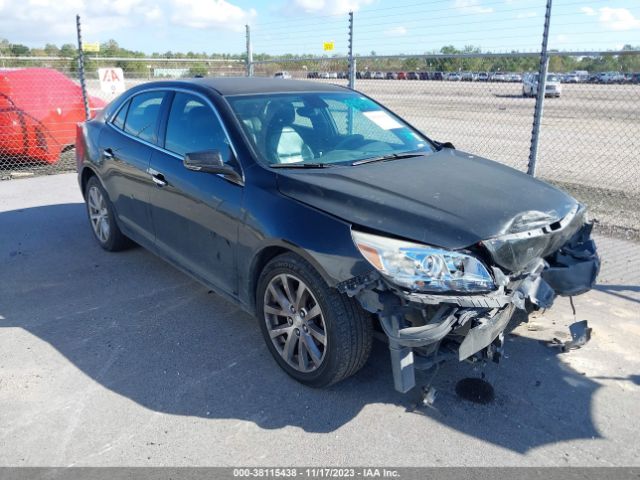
(301, 26)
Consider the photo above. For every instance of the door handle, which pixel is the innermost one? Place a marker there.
(159, 179)
(107, 153)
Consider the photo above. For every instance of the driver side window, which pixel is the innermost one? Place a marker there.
(193, 126)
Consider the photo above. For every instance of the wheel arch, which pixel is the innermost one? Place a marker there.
(85, 175)
(268, 253)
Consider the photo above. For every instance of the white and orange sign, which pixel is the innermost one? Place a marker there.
(111, 80)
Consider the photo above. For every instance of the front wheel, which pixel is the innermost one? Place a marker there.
(316, 335)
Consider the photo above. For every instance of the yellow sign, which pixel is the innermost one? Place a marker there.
(328, 46)
(91, 47)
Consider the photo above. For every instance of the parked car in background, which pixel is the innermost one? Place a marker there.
(635, 78)
(313, 75)
(367, 75)
(424, 75)
(256, 188)
(283, 74)
(553, 88)
(583, 75)
(514, 78)
(454, 77)
(610, 77)
(570, 78)
(378, 76)
(468, 76)
(499, 77)
(483, 77)
(402, 75)
(39, 110)
(413, 76)
(391, 75)
(438, 76)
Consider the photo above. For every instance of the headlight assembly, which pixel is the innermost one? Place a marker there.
(423, 268)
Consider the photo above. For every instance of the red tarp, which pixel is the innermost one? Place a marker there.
(39, 110)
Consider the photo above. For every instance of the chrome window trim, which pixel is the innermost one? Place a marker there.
(109, 122)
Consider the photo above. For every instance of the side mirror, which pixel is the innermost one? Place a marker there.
(210, 161)
(441, 145)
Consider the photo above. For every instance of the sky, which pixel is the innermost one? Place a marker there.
(302, 26)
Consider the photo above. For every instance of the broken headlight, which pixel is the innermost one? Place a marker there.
(423, 268)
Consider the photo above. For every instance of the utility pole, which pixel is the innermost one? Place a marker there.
(249, 53)
(352, 60)
(542, 85)
(83, 85)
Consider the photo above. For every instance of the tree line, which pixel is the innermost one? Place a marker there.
(203, 63)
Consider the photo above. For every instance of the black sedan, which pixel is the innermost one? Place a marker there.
(329, 217)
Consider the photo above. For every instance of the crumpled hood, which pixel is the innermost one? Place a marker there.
(449, 199)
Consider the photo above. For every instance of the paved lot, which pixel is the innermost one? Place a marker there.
(118, 359)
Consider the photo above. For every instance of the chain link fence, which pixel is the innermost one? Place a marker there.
(41, 103)
(588, 141)
(590, 126)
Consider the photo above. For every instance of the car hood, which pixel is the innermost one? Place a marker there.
(449, 198)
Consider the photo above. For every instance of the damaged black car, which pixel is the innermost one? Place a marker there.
(331, 219)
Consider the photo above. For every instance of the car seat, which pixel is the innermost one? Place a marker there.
(281, 142)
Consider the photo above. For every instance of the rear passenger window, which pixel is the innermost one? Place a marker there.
(122, 114)
(142, 117)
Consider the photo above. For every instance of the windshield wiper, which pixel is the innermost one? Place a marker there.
(300, 165)
(383, 158)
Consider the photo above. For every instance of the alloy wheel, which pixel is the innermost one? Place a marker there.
(295, 323)
(98, 214)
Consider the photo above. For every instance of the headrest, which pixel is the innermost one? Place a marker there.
(281, 113)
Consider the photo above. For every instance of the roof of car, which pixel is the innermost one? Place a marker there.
(254, 85)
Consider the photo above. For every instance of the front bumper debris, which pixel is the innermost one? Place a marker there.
(434, 326)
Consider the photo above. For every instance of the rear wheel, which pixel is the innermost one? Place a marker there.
(316, 335)
(102, 218)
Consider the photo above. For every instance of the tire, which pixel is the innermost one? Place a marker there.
(101, 216)
(347, 327)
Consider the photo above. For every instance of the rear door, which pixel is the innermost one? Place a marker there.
(196, 214)
(126, 145)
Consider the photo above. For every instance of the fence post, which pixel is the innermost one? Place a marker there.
(542, 84)
(352, 60)
(83, 85)
(351, 74)
(249, 53)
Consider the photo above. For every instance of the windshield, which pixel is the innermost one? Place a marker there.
(323, 128)
(552, 78)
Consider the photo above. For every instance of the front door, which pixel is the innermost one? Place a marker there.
(196, 214)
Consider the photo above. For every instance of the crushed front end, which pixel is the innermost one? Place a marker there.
(433, 304)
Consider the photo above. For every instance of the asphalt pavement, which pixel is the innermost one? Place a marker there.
(119, 359)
